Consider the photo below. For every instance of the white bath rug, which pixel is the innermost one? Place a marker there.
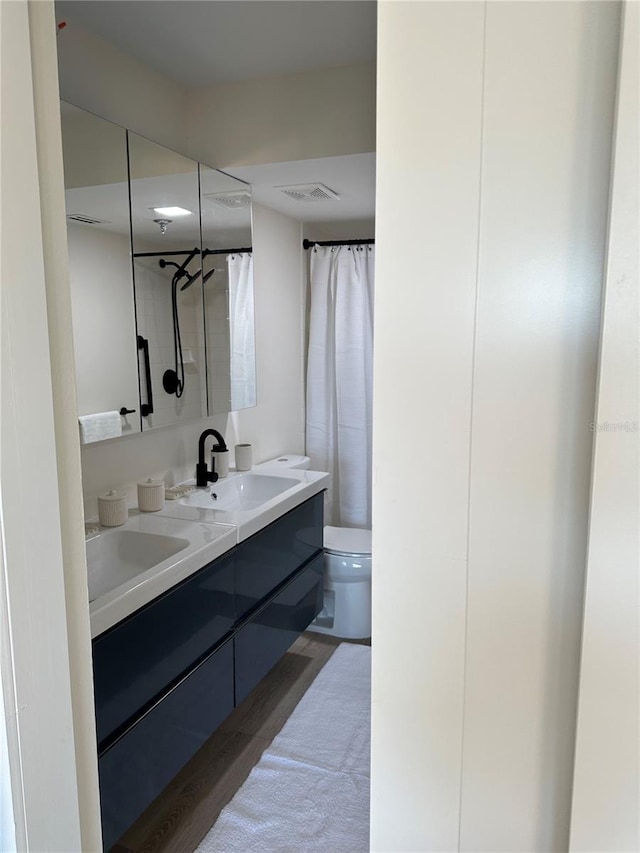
(310, 790)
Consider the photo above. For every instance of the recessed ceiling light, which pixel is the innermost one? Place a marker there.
(172, 211)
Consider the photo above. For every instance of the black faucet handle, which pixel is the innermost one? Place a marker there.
(213, 476)
(202, 475)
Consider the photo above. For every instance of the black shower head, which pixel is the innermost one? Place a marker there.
(195, 277)
(191, 280)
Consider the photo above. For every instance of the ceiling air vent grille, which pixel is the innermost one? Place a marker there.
(309, 192)
(86, 220)
(233, 200)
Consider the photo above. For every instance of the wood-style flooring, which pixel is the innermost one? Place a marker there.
(182, 815)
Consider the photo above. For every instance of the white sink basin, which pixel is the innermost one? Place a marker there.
(249, 501)
(118, 555)
(131, 565)
(241, 493)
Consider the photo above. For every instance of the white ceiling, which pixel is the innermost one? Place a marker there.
(352, 177)
(202, 42)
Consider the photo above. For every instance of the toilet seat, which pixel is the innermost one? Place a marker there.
(347, 541)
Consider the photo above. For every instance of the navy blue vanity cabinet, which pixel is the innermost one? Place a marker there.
(138, 659)
(269, 557)
(262, 640)
(136, 768)
(169, 674)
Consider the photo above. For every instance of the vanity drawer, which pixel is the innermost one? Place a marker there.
(267, 635)
(272, 555)
(143, 761)
(139, 658)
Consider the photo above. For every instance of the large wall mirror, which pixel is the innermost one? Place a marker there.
(161, 274)
(99, 238)
(165, 228)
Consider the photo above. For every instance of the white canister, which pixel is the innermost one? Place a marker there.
(150, 495)
(220, 462)
(112, 508)
(244, 457)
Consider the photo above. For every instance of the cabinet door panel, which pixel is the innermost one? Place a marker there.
(139, 658)
(267, 559)
(144, 760)
(262, 641)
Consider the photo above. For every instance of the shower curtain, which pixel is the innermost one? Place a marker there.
(242, 335)
(339, 379)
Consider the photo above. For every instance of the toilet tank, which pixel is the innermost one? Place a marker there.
(287, 460)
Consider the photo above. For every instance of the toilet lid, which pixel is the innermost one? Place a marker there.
(347, 540)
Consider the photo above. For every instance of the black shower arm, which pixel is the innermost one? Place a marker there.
(192, 254)
(181, 269)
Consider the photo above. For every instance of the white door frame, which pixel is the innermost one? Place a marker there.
(45, 660)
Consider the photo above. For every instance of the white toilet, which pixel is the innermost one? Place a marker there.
(347, 578)
(347, 584)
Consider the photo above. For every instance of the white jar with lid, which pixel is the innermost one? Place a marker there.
(150, 495)
(112, 508)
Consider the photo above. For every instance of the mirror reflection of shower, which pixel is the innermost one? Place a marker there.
(173, 381)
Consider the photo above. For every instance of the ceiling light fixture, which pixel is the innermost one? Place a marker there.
(172, 211)
(163, 225)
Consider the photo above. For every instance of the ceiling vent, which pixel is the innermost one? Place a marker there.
(309, 192)
(87, 220)
(233, 200)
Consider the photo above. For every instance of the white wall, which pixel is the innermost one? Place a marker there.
(271, 119)
(490, 355)
(549, 93)
(606, 791)
(274, 119)
(98, 77)
(274, 426)
(426, 246)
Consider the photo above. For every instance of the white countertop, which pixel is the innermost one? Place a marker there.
(198, 535)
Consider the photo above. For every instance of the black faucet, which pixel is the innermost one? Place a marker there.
(203, 475)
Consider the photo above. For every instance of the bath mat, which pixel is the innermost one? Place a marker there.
(310, 790)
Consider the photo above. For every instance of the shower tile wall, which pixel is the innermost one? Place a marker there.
(153, 306)
(218, 339)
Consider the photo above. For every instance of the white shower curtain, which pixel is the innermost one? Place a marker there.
(242, 343)
(339, 379)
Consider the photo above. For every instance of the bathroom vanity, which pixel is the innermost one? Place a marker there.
(168, 674)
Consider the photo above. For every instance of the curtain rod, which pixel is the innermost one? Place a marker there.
(227, 251)
(205, 252)
(309, 244)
